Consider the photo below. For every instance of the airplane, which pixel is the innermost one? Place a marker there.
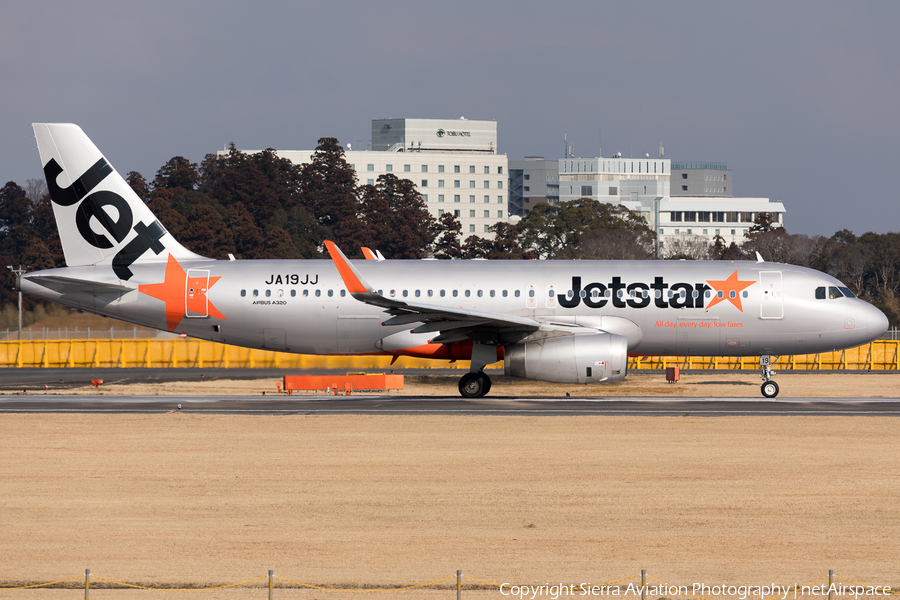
(556, 321)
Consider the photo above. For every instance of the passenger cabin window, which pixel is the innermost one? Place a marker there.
(243, 293)
(455, 293)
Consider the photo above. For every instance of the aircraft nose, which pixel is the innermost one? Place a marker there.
(876, 322)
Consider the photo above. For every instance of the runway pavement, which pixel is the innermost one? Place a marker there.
(384, 405)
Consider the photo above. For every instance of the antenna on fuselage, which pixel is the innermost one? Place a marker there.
(759, 257)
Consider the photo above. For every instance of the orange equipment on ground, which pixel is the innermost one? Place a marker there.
(672, 374)
(344, 384)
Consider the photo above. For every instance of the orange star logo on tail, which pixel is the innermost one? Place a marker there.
(730, 289)
(178, 297)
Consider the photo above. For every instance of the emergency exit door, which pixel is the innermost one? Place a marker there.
(196, 304)
(771, 305)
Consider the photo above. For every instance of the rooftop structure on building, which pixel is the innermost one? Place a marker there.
(434, 135)
(704, 179)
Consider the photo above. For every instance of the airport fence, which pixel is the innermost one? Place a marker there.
(76, 333)
(880, 355)
(101, 333)
(629, 587)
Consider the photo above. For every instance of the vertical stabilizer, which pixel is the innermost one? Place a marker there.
(101, 220)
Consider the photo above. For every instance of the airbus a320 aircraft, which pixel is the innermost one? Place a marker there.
(557, 321)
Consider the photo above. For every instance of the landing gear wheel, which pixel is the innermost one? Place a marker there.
(769, 389)
(474, 385)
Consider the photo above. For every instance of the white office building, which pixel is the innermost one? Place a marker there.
(453, 163)
(699, 219)
(643, 186)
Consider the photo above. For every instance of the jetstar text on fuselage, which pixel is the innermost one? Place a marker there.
(621, 294)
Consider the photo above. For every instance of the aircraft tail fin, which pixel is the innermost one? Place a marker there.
(101, 220)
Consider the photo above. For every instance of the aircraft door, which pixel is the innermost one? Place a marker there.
(196, 305)
(550, 298)
(530, 297)
(771, 304)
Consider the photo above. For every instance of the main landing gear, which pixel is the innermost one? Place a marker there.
(475, 383)
(769, 388)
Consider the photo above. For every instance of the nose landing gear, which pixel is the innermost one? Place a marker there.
(769, 388)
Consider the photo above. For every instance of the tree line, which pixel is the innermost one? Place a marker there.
(260, 206)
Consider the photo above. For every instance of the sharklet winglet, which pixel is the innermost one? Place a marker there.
(352, 279)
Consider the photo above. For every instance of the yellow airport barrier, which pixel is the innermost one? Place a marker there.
(880, 355)
(189, 353)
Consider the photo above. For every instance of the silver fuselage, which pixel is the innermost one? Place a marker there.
(662, 307)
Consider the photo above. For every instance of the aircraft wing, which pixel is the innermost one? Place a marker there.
(454, 324)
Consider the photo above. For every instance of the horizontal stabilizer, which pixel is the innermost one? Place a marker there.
(68, 285)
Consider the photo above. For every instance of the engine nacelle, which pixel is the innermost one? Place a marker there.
(570, 359)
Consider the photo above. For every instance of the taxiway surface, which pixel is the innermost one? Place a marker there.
(407, 405)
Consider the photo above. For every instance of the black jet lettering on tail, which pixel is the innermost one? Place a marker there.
(94, 205)
(147, 238)
(80, 188)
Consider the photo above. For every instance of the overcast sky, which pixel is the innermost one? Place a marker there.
(800, 99)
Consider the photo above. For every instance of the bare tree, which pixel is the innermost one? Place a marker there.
(689, 247)
(615, 244)
(778, 246)
(35, 189)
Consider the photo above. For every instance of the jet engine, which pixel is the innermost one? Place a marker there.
(587, 358)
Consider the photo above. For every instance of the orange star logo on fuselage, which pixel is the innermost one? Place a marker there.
(728, 287)
(182, 294)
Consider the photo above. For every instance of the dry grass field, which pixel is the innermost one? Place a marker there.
(355, 501)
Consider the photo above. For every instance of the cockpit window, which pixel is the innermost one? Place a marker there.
(820, 293)
(847, 292)
(833, 293)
